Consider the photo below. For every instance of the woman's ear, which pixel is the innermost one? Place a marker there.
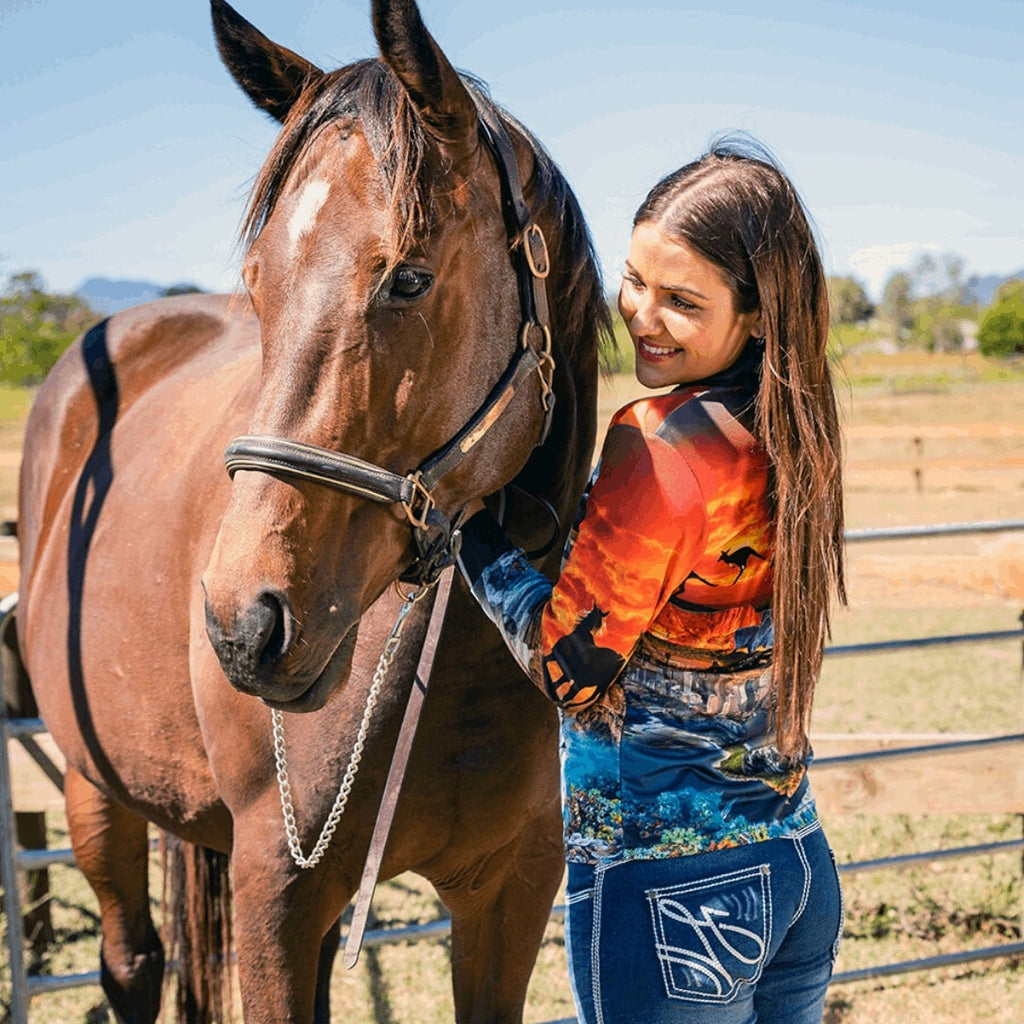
(757, 327)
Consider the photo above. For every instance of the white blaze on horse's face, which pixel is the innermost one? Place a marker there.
(404, 391)
(307, 208)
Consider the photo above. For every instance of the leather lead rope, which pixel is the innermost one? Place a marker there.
(399, 760)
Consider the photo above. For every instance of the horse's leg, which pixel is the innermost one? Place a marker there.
(112, 848)
(328, 951)
(281, 916)
(499, 914)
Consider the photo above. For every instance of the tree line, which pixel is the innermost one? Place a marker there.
(928, 305)
(925, 306)
(36, 326)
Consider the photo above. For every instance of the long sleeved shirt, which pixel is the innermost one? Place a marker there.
(655, 641)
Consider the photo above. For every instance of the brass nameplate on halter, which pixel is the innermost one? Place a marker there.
(487, 422)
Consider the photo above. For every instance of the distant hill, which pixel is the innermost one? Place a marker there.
(106, 296)
(983, 288)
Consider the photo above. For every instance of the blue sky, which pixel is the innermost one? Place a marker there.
(126, 150)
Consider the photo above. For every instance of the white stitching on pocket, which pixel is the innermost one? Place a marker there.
(713, 936)
(842, 908)
(595, 945)
(572, 899)
(805, 864)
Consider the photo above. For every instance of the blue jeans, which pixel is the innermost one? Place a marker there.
(730, 937)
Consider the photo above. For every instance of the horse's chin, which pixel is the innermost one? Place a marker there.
(332, 676)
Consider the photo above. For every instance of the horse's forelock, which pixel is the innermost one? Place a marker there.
(369, 92)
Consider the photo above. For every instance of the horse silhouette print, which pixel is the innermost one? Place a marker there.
(576, 664)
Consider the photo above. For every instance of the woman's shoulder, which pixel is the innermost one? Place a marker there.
(651, 411)
(690, 412)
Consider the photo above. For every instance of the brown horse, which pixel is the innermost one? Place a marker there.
(164, 606)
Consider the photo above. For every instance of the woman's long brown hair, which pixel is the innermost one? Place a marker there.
(736, 207)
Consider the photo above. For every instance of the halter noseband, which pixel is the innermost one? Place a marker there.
(436, 536)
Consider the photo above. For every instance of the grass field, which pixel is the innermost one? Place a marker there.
(929, 440)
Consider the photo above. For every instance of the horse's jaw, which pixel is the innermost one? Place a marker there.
(332, 677)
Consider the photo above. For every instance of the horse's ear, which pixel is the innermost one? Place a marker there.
(271, 76)
(430, 80)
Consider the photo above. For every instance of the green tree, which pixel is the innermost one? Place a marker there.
(940, 277)
(941, 302)
(898, 304)
(956, 291)
(1001, 330)
(36, 327)
(848, 302)
(185, 288)
(937, 327)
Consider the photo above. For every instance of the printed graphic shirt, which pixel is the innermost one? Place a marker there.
(656, 639)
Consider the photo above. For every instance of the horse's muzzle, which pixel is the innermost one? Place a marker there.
(253, 649)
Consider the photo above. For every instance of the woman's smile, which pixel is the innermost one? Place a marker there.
(655, 353)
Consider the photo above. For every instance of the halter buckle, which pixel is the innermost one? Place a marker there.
(546, 372)
(535, 247)
(545, 331)
(420, 503)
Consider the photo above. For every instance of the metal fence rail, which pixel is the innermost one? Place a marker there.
(938, 530)
(8, 863)
(12, 861)
(914, 533)
(906, 860)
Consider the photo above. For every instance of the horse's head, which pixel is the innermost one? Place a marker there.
(591, 622)
(379, 267)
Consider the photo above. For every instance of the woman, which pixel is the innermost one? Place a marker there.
(683, 638)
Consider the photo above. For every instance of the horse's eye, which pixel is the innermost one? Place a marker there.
(409, 283)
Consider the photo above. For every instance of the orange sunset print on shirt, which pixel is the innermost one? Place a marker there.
(676, 544)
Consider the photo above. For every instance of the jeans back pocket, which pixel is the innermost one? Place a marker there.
(713, 935)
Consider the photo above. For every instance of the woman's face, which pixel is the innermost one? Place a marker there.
(680, 311)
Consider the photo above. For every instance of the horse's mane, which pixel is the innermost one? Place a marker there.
(369, 91)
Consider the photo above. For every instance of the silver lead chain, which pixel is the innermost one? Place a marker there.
(284, 786)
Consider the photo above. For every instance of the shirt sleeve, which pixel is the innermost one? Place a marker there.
(643, 529)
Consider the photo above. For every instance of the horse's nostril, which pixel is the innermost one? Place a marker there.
(255, 641)
(276, 627)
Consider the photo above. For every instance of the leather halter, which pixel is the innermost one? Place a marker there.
(435, 534)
